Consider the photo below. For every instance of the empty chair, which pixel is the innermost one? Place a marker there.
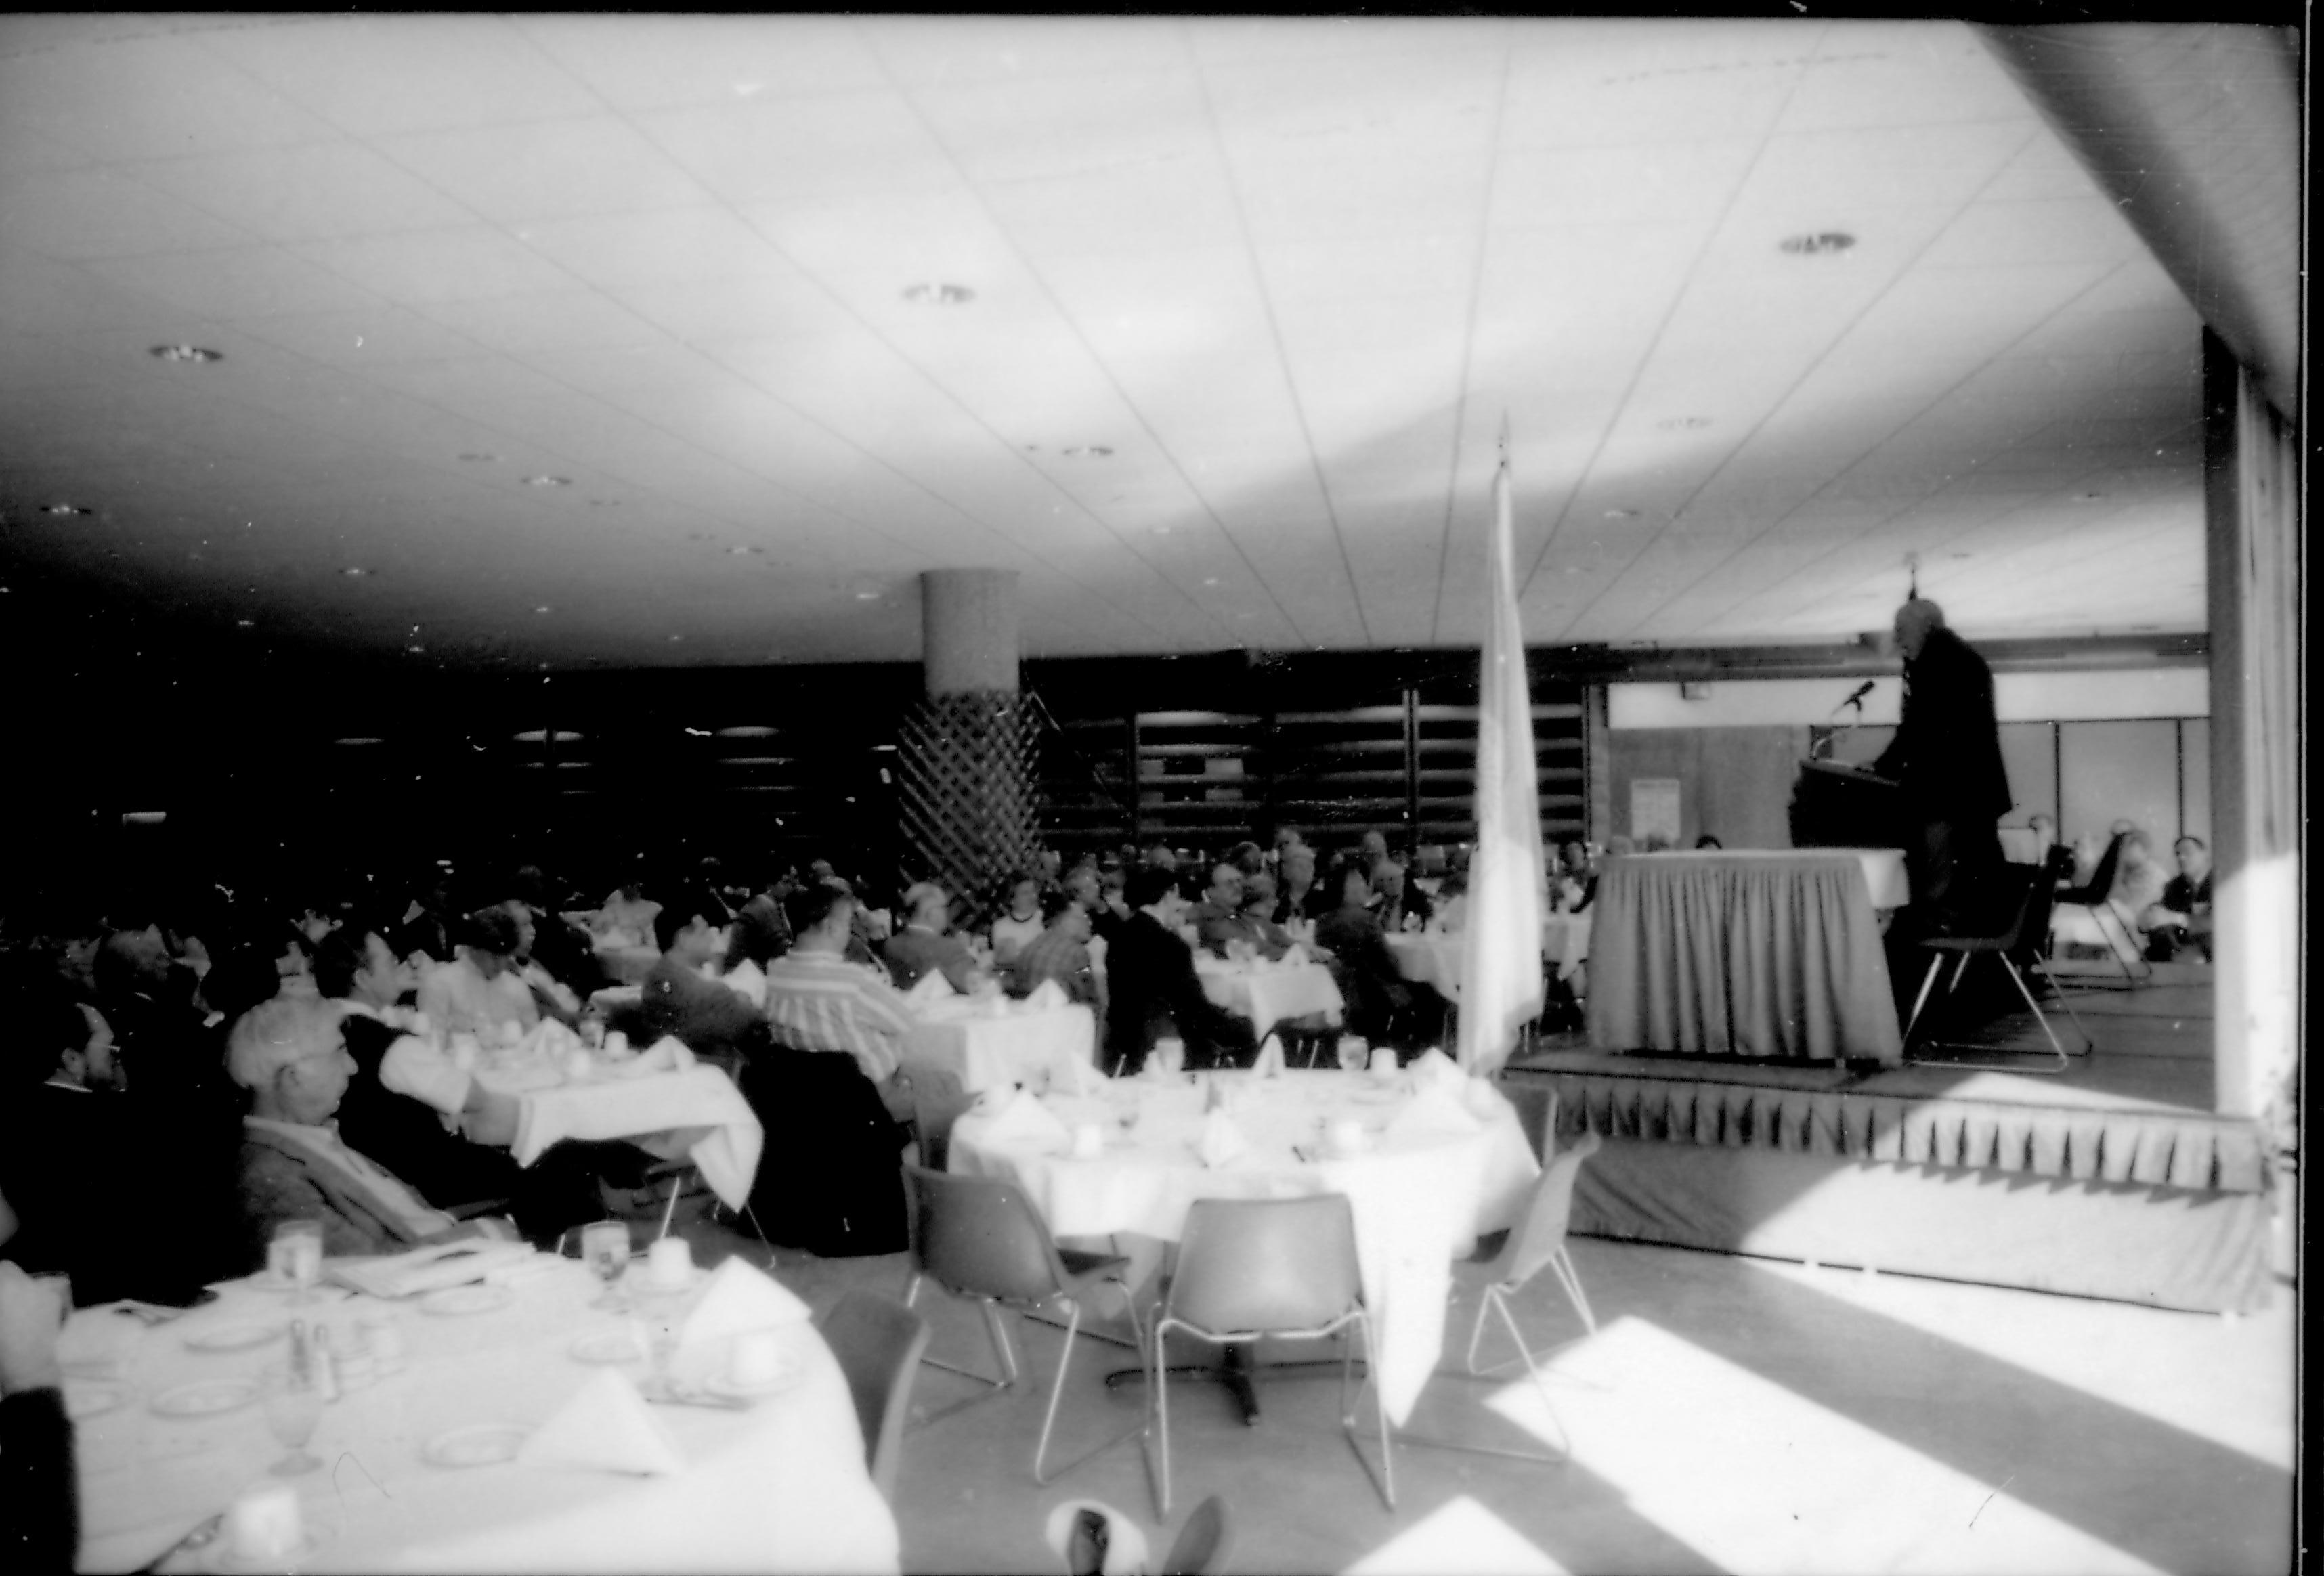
(878, 1341)
(2095, 896)
(980, 1237)
(938, 1100)
(1205, 1543)
(1280, 1266)
(2022, 936)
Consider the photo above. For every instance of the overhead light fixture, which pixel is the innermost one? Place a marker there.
(1684, 423)
(746, 730)
(244, 623)
(933, 294)
(674, 640)
(354, 742)
(1096, 451)
(1214, 580)
(355, 571)
(548, 481)
(542, 608)
(62, 508)
(476, 459)
(867, 597)
(144, 817)
(187, 352)
(1820, 244)
(1621, 514)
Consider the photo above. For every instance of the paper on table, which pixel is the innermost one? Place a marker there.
(1125, 1541)
(429, 1268)
(740, 1296)
(1432, 1111)
(930, 987)
(1023, 1118)
(606, 1425)
(1222, 1143)
(667, 1054)
(1295, 956)
(1047, 997)
(1433, 1069)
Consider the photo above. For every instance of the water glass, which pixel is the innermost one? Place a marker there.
(293, 1401)
(605, 1248)
(1355, 1056)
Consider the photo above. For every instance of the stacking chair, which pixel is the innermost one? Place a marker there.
(2095, 897)
(1281, 1267)
(980, 1238)
(1537, 1243)
(878, 1341)
(2022, 935)
(1205, 1543)
(938, 1100)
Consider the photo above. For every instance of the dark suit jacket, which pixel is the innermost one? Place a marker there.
(1152, 992)
(712, 1018)
(913, 953)
(406, 1136)
(1947, 751)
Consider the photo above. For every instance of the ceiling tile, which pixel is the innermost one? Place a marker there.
(545, 169)
(766, 150)
(465, 264)
(77, 215)
(156, 97)
(235, 282)
(316, 191)
(676, 61)
(384, 74)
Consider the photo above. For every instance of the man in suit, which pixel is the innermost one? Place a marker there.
(1945, 758)
(1151, 987)
(925, 943)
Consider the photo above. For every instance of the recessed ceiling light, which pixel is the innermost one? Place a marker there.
(476, 459)
(1096, 451)
(737, 552)
(355, 571)
(1684, 423)
(1214, 580)
(65, 508)
(548, 481)
(1821, 243)
(415, 650)
(934, 294)
(1621, 514)
(674, 640)
(246, 623)
(867, 597)
(542, 608)
(186, 352)
(358, 741)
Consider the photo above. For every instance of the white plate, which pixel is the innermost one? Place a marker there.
(794, 1370)
(239, 1336)
(83, 1399)
(609, 1346)
(468, 1299)
(483, 1444)
(220, 1557)
(205, 1400)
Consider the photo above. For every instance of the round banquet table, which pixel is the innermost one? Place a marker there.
(1022, 1044)
(696, 1105)
(779, 1486)
(1420, 1197)
(1435, 960)
(1269, 993)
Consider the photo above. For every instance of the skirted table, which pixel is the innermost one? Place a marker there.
(987, 1044)
(1757, 954)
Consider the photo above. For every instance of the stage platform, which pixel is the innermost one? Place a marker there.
(2111, 1180)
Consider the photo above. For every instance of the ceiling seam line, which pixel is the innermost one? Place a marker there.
(1469, 337)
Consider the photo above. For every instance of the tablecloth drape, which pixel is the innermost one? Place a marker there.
(1746, 955)
(625, 1108)
(1270, 995)
(1026, 1044)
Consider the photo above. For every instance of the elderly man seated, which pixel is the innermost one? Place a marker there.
(1060, 953)
(481, 990)
(924, 943)
(1218, 918)
(291, 1055)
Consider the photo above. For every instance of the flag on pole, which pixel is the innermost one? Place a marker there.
(1500, 952)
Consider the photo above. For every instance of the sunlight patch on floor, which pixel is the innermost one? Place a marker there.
(1759, 1479)
(1459, 1535)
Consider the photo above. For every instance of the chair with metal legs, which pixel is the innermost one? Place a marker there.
(877, 1342)
(980, 1237)
(2027, 925)
(1537, 1243)
(1273, 1267)
(2096, 897)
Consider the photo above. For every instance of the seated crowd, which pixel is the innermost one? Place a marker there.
(187, 1075)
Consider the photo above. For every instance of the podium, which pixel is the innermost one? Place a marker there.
(1838, 805)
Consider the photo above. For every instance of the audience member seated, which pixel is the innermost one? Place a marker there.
(478, 991)
(713, 1018)
(1152, 991)
(406, 1099)
(1218, 918)
(1267, 938)
(1302, 899)
(40, 1491)
(1382, 1006)
(2181, 920)
(761, 933)
(830, 1178)
(1021, 923)
(1395, 901)
(553, 953)
(628, 914)
(925, 943)
(425, 929)
(292, 1057)
(1060, 954)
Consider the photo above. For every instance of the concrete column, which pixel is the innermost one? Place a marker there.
(969, 630)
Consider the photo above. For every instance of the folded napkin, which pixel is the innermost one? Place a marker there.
(606, 1425)
(1271, 1057)
(1434, 1111)
(748, 980)
(1222, 1143)
(1433, 1069)
(1095, 1539)
(1047, 996)
(929, 987)
(740, 1296)
(666, 1055)
(429, 1269)
(1295, 957)
(1016, 1116)
(1483, 1099)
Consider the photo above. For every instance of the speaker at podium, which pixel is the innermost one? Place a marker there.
(1835, 804)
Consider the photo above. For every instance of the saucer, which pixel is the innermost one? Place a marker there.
(609, 1346)
(239, 1336)
(83, 1399)
(206, 1398)
(482, 1444)
(221, 1558)
(477, 1298)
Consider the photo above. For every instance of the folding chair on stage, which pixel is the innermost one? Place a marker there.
(2022, 935)
(2094, 897)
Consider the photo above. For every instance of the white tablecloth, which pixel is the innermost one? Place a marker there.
(1883, 868)
(695, 1097)
(1435, 960)
(1419, 1202)
(1035, 1045)
(1267, 995)
(781, 1487)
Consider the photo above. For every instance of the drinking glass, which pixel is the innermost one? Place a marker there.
(294, 1405)
(296, 1255)
(1354, 1053)
(605, 1248)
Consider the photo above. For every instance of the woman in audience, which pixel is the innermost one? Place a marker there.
(1383, 1006)
(1020, 922)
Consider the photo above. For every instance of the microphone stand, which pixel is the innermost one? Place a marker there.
(1822, 747)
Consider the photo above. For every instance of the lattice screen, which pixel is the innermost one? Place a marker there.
(969, 793)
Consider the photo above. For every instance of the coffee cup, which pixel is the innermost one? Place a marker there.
(670, 1264)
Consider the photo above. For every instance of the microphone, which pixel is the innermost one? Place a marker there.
(1856, 699)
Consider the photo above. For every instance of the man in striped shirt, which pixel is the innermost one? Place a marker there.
(817, 1000)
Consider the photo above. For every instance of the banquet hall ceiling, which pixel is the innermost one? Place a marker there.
(601, 340)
